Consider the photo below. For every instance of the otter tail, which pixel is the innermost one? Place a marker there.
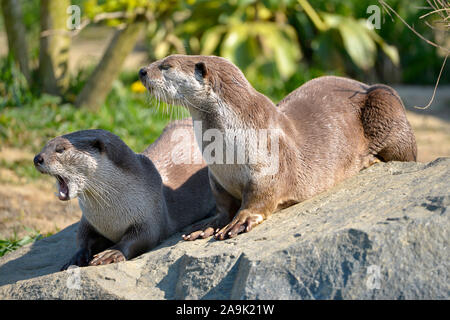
(385, 125)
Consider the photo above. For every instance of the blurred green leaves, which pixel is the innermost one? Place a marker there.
(135, 118)
(254, 44)
(14, 243)
(14, 88)
(255, 35)
(273, 38)
(278, 44)
(265, 38)
(95, 7)
(359, 41)
(356, 40)
(126, 11)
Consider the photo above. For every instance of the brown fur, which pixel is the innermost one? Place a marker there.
(332, 127)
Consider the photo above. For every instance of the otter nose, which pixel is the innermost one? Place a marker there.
(38, 160)
(142, 73)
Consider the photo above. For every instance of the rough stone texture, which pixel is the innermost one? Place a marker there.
(383, 234)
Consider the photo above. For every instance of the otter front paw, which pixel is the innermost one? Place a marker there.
(206, 229)
(203, 232)
(107, 257)
(80, 259)
(243, 222)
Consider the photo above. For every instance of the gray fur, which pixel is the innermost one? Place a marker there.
(126, 206)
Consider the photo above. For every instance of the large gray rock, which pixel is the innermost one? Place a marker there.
(383, 234)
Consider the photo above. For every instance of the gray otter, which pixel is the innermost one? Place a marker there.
(331, 128)
(129, 202)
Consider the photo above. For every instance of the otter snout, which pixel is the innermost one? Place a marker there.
(147, 76)
(47, 162)
(39, 163)
(142, 73)
(38, 160)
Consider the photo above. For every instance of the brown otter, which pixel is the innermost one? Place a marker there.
(330, 129)
(130, 202)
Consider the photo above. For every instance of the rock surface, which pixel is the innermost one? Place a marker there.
(383, 234)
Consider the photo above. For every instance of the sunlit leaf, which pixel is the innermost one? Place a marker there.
(211, 39)
(231, 42)
(359, 45)
(162, 49)
(283, 46)
(243, 3)
(266, 41)
(389, 50)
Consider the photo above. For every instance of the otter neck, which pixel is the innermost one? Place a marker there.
(249, 111)
(112, 210)
(108, 193)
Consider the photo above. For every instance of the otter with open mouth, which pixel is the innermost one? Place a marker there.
(129, 201)
(330, 129)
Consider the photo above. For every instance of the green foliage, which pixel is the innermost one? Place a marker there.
(359, 41)
(30, 124)
(22, 168)
(277, 39)
(132, 8)
(418, 62)
(273, 41)
(31, 19)
(245, 32)
(13, 85)
(278, 45)
(124, 113)
(14, 243)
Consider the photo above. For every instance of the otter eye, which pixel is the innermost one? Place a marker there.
(165, 67)
(60, 149)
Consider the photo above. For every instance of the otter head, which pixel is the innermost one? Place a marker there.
(79, 159)
(194, 81)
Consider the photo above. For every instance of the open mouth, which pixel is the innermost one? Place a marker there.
(63, 188)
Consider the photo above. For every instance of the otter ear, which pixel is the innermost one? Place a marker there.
(201, 70)
(99, 145)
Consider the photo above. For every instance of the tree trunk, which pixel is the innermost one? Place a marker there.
(99, 83)
(15, 30)
(54, 47)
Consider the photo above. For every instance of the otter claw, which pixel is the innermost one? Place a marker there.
(193, 235)
(107, 257)
(240, 224)
(202, 231)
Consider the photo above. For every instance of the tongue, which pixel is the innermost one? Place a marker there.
(63, 193)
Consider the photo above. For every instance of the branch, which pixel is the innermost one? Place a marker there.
(435, 7)
(385, 5)
(435, 87)
(312, 14)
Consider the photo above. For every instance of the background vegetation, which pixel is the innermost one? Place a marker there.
(279, 44)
